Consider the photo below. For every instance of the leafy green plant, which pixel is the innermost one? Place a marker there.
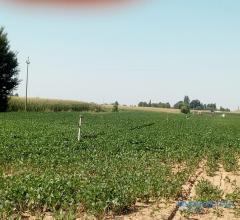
(235, 197)
(205, 191)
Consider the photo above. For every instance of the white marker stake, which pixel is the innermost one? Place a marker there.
(79, 128)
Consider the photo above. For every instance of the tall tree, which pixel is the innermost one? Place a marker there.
(212, 107)
(196, 104)
(150, 103)
(186, 100)
(8, 70)
(115, 107)
(179, 105)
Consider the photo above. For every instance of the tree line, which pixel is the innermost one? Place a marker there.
(186, 103)
(156, 105)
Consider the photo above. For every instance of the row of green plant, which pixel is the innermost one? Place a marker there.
(122, 158)
(54, 105)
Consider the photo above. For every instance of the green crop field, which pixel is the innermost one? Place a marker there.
(122, 158)
(17, 104)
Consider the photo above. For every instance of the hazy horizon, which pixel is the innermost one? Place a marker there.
(157, 50)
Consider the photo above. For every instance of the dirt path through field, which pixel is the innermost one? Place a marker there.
(227, 182)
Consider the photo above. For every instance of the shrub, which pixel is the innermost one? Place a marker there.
(115, 107)
(205, 191)
(185, 109)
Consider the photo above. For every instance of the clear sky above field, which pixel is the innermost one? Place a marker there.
(159, 50)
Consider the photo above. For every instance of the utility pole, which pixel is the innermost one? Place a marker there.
(28, 63)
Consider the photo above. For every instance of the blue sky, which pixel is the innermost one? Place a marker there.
(158, 50)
